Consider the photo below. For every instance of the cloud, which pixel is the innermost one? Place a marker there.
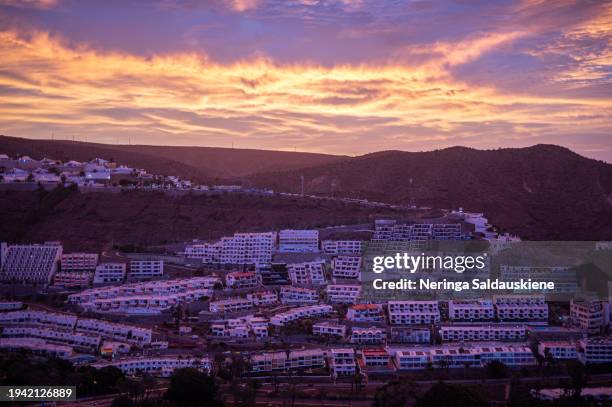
(48, 84)
(39, 4)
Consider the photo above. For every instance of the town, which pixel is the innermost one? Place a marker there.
(284, 303)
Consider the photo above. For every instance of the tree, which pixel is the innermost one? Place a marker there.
(395, 394)
(447, 395)
(190, 387)
(578, 377)
(496, 370)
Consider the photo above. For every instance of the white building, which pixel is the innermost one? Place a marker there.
(559, 350)
(110, 273)
(146, 269)
(346, 267)
(326, 328)
(31, 263)
(342, 247)
(294, 314)
(369, 336)
(115, 331)
(342, 361)
(483, 333)
(161, 366)
(36, 346)
(298, 295)
(238, 279)
(79, 262)
(411, 359)
(263, 298)
(78, 340)
(343, 293)
(529, 308)
(413, 312)
(308, 273)
(247, 248)
(11, 305)
(593, 317)
(298, 241)
(595, 350)
(366, 313)
(471, 310)
(72, 279)
(242, 327)
(230, 305)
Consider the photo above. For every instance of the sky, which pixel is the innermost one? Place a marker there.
(330, 76)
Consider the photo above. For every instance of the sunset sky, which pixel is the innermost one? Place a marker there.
(332, 76)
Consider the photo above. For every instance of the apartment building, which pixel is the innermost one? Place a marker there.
(342, 247)
(343, 293)
(3, 253)
(307, 273)
(247, 248)
(298, 241)
(144, 289)
(230, 305)
(516, 307)
(36, 347)
(411, 359)
(144, 305)
(38, 318)
(298, 295)
(110, 273)
(243, 327)
(208, 253)
(376, 360)
(292, 360)
(558, 350)
(413, 312)
(115, 331)
(409, 334)
(160, 366)
(331, 329)
(511, 355)
(79, 262)
(390, 230)
(366, 313)
(294, 314)
(273, 273)
(10, 305)
(72, 279)
(483, 333)
(593, 317)
(368, 336)
(78, 340)
(263, 298)
(471, 310)
(595, 350)
(475, 355)
(346, 267)
(146, 269)
(239, 280)
(305, 359)
(342, 362)
(268, 362)
(35, 264)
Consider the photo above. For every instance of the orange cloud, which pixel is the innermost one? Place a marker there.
(186, 98)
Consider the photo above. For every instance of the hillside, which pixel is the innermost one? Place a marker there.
(205, 164)
(98, 220)
(541, 192)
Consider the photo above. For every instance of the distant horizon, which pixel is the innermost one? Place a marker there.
(330, 76)
(295, 151)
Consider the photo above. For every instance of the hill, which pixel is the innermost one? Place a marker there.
(542, 192)
(204, 164)
(93, 221)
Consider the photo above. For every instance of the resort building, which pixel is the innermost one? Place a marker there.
(365, 313)
(298, 241)
(413, 312)
(343, 293)
(31, 263)
(308, 273)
